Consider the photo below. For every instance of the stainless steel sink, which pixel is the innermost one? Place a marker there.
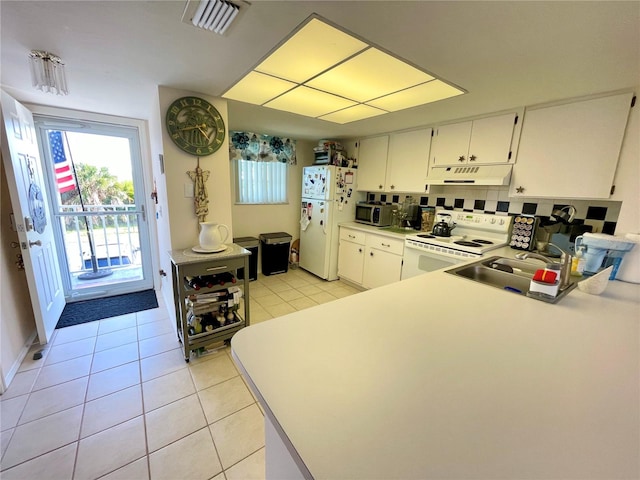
(507, 274)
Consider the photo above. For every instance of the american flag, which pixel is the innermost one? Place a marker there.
(64, 175)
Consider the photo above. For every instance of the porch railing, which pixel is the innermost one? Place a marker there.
(114, 232)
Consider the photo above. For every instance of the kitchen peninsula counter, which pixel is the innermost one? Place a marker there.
(441, 377)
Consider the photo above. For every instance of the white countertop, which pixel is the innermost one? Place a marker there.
(385, 231)
(440, 377)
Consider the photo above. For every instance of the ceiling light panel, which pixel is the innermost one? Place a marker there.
(370, 74)
(352, 114)
(310, 51)
(309, 102)
(418, 95)
(258, 88)
(323, 72)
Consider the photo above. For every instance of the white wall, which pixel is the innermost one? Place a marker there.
(627, 180)
(252, 220)
(177, 224)
(180, 212)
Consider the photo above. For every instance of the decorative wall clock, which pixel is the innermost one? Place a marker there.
(195, 126)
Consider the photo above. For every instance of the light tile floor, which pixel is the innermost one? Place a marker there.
(114, 399)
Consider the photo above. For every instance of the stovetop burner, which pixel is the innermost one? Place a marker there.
(475, 233)
(482, 241)
(466, 243)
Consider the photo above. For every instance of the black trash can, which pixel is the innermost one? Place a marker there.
(275, 252)
(251, 244)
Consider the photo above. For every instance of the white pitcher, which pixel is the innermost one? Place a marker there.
(210, 237)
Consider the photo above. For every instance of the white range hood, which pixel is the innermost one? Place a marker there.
(470, 175)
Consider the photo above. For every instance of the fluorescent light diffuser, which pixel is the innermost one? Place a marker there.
(310, 51)
(370, 74)
(258, 88)
(309, 102)
(323, 72)
(352, 114)
(414, 96)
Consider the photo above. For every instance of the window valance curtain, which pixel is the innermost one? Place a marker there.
(261, 148)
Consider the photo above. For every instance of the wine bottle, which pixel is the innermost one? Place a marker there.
(192, 282)
(206, 280)
(227, 277)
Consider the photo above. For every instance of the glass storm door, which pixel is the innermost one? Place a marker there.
(95, 181)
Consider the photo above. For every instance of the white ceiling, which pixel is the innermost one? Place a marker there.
(505, 54)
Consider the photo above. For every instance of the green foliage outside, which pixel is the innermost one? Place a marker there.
(99, 189)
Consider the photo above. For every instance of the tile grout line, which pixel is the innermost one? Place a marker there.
(296, 280)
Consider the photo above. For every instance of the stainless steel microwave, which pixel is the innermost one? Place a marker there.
(373, 214)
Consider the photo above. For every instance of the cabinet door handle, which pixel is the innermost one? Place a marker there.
(385, 245)
(520, 189)
(351, 236)
(359, 250)
(461, 158)
(392, 187)
(213, 269)
(380, 187)
(472, 158)
(371, 253)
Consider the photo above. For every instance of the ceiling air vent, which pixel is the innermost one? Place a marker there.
(213, 15)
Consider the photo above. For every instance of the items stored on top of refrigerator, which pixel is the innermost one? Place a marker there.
(331, 152)
(328, 198)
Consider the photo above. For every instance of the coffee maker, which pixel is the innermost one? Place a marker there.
(411, 214)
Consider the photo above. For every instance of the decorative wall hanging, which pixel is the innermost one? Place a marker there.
(36, 208)
(201, 198)
(195, 126)
(261, 148)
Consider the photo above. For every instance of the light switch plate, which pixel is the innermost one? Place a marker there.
(188, 190)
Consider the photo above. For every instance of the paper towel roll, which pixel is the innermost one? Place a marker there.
(629, 270)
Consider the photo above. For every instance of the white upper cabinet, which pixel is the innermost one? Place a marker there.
(571, 150)
(451, 144)
(394, 163)
(482, 141)
(407, 165)
(372, 163)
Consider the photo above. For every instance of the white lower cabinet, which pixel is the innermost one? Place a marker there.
(369, 260)
(351, 261)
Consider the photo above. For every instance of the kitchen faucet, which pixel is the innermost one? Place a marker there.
(565, 264)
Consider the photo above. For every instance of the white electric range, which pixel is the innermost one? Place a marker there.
(473, 236)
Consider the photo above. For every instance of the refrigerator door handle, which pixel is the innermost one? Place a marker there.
(324, 217)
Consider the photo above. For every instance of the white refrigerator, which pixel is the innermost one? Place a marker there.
(328, 199)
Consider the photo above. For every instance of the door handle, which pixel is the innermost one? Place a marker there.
(37, 242)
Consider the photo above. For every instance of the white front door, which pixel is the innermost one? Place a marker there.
(31, 211)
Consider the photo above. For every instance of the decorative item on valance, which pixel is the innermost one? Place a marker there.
(261, 148)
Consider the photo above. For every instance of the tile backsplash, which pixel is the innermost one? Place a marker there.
(601, 215)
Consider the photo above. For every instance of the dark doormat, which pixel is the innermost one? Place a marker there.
(91, 310)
